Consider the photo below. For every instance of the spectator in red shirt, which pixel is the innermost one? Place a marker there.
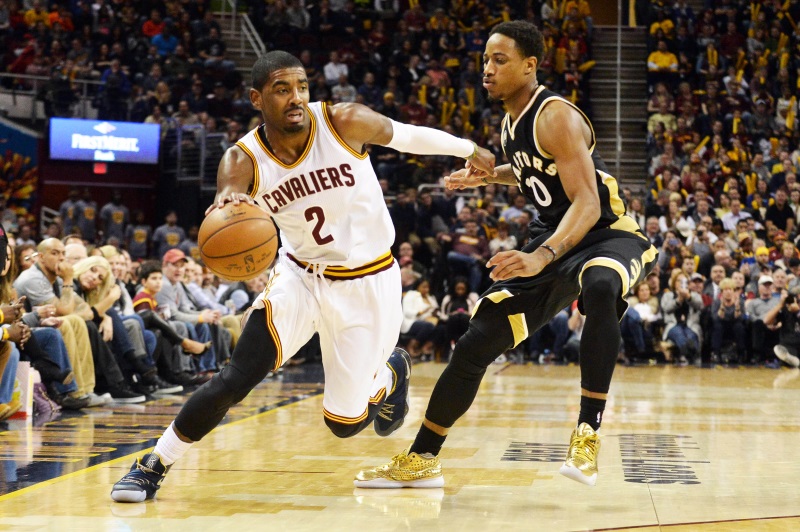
(414, 112)
(468, 249)
(154, 25)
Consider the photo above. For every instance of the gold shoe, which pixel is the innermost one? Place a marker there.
(404, 471)
(581, 462)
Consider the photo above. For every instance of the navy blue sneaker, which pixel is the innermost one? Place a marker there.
(395, 407)
(143, 480)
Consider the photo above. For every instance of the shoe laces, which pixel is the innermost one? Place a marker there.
(387, 411)
(584, 448)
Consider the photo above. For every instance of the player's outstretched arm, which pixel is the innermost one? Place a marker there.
(359, 125)
(471, 177)
(234, 179)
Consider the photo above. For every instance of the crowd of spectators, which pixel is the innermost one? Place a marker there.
(722, 149)
(101, 327)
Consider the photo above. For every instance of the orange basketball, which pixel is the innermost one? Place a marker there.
(238, 242)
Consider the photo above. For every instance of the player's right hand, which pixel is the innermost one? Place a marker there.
(234, 197)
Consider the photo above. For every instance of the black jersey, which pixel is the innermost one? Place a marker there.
(537, 174)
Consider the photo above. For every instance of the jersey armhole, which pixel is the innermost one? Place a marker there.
(256, 181)
(340, 140)
(583, 115)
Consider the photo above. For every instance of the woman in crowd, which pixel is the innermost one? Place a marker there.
(96, 285)
(639, 325)
(420, 310)
(455, 311)
(681, 308)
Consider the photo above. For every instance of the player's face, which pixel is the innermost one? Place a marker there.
(283, 100)
(505, 70)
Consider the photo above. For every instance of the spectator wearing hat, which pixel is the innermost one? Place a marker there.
(780, 214)
(199, 323)
(744, 253)
(764, 337)
(778, 238)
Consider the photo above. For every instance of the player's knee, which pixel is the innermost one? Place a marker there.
(239, 383)
(343, 430)
(600, 285)
(475, 350)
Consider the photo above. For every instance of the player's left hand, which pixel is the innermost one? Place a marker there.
(508, 264)
(234, 197)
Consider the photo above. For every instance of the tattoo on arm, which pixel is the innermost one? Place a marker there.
(505, 175)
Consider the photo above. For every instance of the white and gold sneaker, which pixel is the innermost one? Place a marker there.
(581, 462)
(404, 471)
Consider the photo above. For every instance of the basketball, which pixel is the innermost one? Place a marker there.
(238, 242)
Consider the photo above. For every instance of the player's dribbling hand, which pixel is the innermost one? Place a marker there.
(234, 197)
(508, 264)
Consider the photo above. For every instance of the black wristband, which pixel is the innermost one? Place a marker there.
(551, 249)
(95, 315)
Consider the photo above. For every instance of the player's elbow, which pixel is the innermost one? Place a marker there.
(590, 209)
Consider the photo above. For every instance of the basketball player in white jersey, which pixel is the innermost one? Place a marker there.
(308, 167)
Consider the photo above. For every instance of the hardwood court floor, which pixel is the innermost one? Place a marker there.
(683, 449)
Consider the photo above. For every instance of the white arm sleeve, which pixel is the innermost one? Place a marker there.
(427, 141)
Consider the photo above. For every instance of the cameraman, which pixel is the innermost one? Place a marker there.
(700, 244)
(785, 316)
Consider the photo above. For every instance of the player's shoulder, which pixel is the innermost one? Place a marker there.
(346, 114)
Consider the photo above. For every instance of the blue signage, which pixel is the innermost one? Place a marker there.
(103, 140)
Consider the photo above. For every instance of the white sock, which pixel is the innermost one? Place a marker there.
(384, 379)
(169, 447)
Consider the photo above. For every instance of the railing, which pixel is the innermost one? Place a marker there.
(233, 4)
(249, 32)
(246, 29)
(191, 154)
(26, 102)
(46, 217)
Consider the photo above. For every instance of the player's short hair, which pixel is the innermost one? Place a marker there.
(270, 62)
(527, 36)
(148, 268)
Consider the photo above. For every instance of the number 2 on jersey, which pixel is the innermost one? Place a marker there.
(316, 213)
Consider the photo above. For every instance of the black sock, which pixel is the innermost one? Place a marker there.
(427, 441)
(591, 411)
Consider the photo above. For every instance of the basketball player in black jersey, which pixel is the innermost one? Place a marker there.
(582, 246)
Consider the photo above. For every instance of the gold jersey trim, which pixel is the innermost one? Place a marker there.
(341, 141)
(339, 273)
(536, 117)
(256, 179)
(311, 137)
(274, 333)
(345, 420)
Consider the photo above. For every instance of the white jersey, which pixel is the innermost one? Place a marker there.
(328, 204)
